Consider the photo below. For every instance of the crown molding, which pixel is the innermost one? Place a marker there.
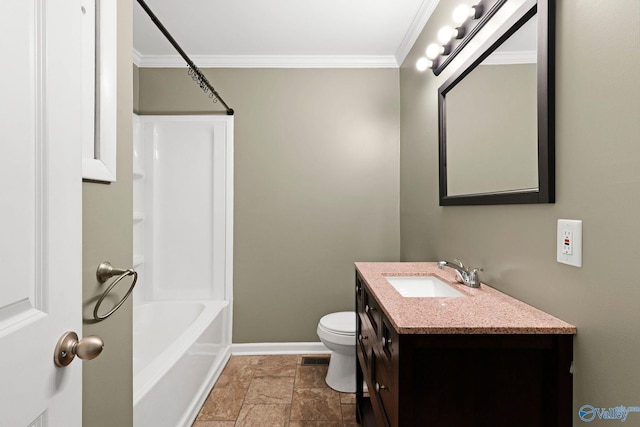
(417, 25)
(137, 58)
(265, 61)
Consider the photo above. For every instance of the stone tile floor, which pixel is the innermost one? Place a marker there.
(261, 391)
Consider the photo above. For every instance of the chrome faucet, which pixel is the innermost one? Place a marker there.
(465, 276)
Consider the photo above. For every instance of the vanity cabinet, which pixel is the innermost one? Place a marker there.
(457, 379)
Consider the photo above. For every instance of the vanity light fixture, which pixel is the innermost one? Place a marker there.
(434, 50)
(446, 34)
(423, 63)
(463, 12)
(469, 19)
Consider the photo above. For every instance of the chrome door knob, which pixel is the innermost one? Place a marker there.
(68, 347)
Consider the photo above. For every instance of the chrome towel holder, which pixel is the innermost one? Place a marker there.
(105, 272)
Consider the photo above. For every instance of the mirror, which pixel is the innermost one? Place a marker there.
(496, 118)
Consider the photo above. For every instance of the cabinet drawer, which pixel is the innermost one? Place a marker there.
(359, 294)
(387, 345)
(367, 305)
(371, 310)
(366, 338)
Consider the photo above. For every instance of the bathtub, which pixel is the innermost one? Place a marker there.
(179, 351)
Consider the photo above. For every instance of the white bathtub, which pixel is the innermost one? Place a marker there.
(179, 350)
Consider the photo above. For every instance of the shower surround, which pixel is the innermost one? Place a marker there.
(183, 248)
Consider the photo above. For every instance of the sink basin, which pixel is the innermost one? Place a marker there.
(422, 287)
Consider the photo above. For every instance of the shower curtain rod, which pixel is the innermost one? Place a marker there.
(194, 71)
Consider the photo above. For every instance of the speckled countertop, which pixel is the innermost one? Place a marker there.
(483, 310)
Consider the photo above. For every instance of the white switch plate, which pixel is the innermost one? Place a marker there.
(569, 242)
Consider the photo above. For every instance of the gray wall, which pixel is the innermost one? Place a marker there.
(316, 185)
(136, 86)
(108, 236)
(598, 181)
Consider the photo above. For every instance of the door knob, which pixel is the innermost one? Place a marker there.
(69, 347)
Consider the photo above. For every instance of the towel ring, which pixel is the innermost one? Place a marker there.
(105, 272)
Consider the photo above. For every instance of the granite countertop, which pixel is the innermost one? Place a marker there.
(483, 310)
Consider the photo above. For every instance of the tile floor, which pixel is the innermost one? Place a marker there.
(261, 391)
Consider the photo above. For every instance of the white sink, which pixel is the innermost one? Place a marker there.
(422, 287)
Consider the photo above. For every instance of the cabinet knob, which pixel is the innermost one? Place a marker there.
(363, 337)
(380, 387)
(385, 341)
(366, 308)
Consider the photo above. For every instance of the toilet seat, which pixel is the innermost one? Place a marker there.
(341, 323)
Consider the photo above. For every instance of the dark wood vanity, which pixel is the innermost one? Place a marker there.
(454, 377)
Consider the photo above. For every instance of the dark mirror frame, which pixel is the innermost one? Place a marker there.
(545, 10)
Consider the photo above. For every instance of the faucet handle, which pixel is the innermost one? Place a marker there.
(474, 279)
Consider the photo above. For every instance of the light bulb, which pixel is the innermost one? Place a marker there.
(446, 34)
(461, 13)
(423, 63)
(464, 12)
(433, 50)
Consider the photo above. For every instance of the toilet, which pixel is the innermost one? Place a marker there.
(337, 331)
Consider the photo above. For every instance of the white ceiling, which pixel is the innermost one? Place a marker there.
(280, 33)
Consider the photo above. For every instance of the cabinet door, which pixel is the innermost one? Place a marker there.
(385, 392)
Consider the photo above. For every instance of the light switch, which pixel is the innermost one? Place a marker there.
(569, 245)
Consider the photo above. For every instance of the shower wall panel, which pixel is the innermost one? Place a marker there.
(186, 206)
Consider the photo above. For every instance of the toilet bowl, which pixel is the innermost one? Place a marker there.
(337, 331)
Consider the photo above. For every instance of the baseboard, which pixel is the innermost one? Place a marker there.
(249, 349)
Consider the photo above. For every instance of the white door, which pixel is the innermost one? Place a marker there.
(40, 210)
